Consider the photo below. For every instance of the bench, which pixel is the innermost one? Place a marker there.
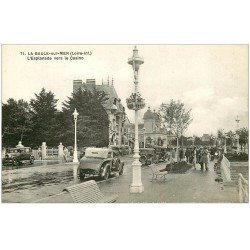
(85, 192)
(156, 174)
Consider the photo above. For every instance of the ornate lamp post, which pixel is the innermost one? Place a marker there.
(136, 102)
(75, 159)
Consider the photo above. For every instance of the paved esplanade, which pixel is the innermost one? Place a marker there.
(34, 183)
(194, 186)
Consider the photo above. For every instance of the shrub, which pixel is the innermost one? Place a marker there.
(237, 156)
(178, 167)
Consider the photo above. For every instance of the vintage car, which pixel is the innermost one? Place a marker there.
(153, 155)
(147, 156)
(116, 150)
(99, 162)
(18, 156)
(161, 153)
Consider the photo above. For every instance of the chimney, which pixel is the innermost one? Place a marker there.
(90, 84)
(77, 84)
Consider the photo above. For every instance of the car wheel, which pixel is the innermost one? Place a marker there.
(107, 174)
(15, 162)
(121, 171)
(143, 160)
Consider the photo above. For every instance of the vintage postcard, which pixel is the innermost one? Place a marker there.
(125, 124)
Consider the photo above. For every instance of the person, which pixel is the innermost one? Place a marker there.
(181, 154)
(129, 150)
(198, 156)
(65, 153)
(173, 155)
(168, 155)
(39, 152)
(188, 155)
(204, 159)
(193, 157)
(216, 159)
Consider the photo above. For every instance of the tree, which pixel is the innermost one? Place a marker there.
(212, 140)
(198, 141)
(220, 136)
(44, 115)
(15, 122)
(176, 118)
(243, 137)
(92, 122)
(230, 137)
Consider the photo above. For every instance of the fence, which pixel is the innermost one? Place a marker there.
(225, 169)
(51, 153)
(243, 189)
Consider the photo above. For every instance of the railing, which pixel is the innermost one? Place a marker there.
(52, 151)
(225, 165)
(243, 189)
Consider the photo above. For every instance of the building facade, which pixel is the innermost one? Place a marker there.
(205, 138)
(113, 107)
(151, 131)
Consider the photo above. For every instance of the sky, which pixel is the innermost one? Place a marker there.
(212, 80)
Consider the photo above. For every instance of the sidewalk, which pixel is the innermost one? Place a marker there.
(31, 184)
(195, 186)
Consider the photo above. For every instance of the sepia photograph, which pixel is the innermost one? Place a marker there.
(125, 123)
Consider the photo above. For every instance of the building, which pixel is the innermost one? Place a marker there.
(113, 107)
(205, 138)
(151, 131)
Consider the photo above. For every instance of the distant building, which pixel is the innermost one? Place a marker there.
(113, 107)
(205, 138)
(152, 131)
(129, 133)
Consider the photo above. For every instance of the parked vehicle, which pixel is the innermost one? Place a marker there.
(116, 150)
(99, 162)
(18, 156)
(124, 150)
(161, 153)
(82, 152)
(147, 156)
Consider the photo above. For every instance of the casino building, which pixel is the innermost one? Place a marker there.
(151, 131)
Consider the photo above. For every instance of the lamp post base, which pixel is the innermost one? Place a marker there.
(75, 159)
(136, 189)
(136, 186)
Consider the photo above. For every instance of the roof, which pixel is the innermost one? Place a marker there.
(97, 152)
(148, 114)
(109, 90)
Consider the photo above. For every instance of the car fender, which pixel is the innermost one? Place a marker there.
(105, 168)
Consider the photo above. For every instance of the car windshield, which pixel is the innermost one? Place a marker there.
(97, 153)
(19, 150)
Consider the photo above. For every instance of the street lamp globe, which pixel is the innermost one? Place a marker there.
(75, 114)
(136, 60)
